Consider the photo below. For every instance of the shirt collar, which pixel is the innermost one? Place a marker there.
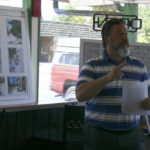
(105, 55)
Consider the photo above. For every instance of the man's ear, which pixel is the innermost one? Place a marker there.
(106, 39)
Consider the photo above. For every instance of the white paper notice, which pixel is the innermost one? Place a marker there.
(133, 94)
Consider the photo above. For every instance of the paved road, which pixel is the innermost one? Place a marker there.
(45, 94)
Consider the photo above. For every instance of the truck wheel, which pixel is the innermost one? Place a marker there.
(67, 84)
(70, 94)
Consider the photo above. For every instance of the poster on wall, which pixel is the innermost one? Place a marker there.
(15, 69)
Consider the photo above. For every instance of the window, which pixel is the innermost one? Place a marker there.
(60, 46)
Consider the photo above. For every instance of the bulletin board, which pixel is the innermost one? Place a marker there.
(15, 66)
(91, 48)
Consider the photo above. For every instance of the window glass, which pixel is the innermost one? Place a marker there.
(143, 35)
(69, 59)
(12, 3)
(59, 56)
(63, 59)
(60, 47)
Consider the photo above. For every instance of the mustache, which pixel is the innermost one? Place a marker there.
(124, 42)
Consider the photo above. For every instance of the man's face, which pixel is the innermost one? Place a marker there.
(118, 40)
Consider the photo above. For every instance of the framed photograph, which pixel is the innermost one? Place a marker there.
(14, 31)
(2, 86)
(0, 62)
(17, 86)
(16, 63)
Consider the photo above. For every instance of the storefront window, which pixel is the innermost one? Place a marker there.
(60, 47)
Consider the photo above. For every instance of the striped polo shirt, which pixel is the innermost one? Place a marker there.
(104, 110)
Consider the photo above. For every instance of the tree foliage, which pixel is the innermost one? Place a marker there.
(15, 28)
(144, 33)
(79, 19)
(66, 18)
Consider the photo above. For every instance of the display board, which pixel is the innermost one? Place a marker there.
(15, 66)
(89, 48)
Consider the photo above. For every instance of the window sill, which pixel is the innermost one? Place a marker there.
(35, 106)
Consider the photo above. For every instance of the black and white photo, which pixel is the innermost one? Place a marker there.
(17, 86)
(0, 62)
(2, 86)
(16, 64)
(14, 31)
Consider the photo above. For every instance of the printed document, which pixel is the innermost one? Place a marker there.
(132, 95)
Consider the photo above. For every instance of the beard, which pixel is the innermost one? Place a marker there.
(122, 50)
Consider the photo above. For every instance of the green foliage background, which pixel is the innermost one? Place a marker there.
(66, 18)
(144, 33)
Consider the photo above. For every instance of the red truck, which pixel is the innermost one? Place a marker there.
(65, 69)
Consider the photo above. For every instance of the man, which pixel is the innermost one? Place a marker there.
(100, 84)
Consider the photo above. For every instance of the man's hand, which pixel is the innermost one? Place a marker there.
(90, 89)
(145, 104)
(116, 73)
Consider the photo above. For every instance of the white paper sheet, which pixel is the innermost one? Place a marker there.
(133, 94)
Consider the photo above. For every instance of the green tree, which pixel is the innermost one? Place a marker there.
(66, 18)
(144, 33)
(109, 9)
(83, 19)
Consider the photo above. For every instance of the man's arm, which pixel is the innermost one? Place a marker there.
(90, 89)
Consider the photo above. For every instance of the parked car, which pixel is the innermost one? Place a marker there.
(65, 69)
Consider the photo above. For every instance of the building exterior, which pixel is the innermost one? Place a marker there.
(51, 29)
